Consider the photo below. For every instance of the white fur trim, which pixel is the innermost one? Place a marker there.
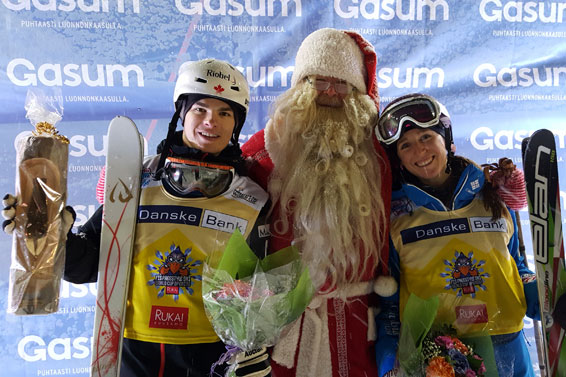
(385, 286)
(331, 52)
(285, 349)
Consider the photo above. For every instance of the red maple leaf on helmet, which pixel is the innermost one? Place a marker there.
(219, 88)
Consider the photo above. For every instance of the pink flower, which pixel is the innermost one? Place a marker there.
(470, 373)
(444, 341)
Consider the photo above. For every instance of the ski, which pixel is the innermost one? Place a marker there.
(121, 197)
(543, 192)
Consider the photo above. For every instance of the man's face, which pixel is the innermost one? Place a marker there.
(330, 91)
(208, 125)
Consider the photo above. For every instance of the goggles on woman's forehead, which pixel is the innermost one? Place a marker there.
(187, 176)
(422, 110)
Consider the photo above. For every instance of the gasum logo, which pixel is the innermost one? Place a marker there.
(255, 8)
(23, 72)
(413, 77)
(486, 75)
(268, 76)
(389, 9)
(483, 138)
(34, 348)
(79, 145)
(86, 6)
(519, 11)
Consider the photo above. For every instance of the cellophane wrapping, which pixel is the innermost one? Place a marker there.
(429, 348)
(38, 247)
(250, 301)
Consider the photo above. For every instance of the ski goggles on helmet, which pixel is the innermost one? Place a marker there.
(187, 177)
(422, 110)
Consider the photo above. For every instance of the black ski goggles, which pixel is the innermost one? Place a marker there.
(187, 177)
(423, 111)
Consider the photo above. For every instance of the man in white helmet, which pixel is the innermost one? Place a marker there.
(198, 170)
(330, 185)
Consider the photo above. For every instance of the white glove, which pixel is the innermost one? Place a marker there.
(10, 203)
(254, 363)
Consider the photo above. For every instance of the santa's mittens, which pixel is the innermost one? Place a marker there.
(512, 190)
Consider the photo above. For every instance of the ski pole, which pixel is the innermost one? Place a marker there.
(536, 324)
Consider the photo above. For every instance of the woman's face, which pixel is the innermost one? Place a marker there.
(423, 153)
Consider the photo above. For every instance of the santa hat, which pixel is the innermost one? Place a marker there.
(341, 54)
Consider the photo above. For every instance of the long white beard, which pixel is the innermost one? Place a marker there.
(327, 176)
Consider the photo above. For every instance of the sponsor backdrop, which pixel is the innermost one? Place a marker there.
(499, 66)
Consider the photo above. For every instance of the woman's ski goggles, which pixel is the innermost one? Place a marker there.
(423, 111)
(189, 177)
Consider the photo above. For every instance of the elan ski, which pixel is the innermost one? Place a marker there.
(541, 176)
(121, 198)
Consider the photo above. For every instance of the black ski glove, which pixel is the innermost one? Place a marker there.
(10, 203)
(254, 363)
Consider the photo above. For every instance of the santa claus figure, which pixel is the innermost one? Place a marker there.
(330, 185)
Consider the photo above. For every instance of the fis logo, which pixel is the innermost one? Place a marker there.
(256, 8)
(519, 11)
(404, 10)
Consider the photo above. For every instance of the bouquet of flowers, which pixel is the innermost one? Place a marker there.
(250, 301)
(430, 349)
(446, 355)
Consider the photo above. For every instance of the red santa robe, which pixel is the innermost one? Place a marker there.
(331, 338)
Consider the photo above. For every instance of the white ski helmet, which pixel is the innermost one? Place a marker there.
(217, 79)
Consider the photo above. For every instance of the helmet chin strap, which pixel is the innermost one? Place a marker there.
(168, 140)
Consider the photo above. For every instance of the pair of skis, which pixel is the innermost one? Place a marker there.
(541, 176)
(124, 159)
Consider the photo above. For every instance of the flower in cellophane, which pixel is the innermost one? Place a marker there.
(431, 349)
(445, 355)
(250, 301)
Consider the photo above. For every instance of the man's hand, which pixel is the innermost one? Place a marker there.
(10, 203)
(254, 363)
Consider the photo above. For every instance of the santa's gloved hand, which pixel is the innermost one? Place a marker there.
(11, 202)
(254, 363)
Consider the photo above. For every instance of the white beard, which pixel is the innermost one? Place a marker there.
(327, 178)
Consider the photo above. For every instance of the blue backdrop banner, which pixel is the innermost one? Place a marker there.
(499, 66)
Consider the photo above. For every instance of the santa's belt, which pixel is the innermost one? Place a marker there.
(314, 349)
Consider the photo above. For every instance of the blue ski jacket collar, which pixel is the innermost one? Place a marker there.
(468, 187)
